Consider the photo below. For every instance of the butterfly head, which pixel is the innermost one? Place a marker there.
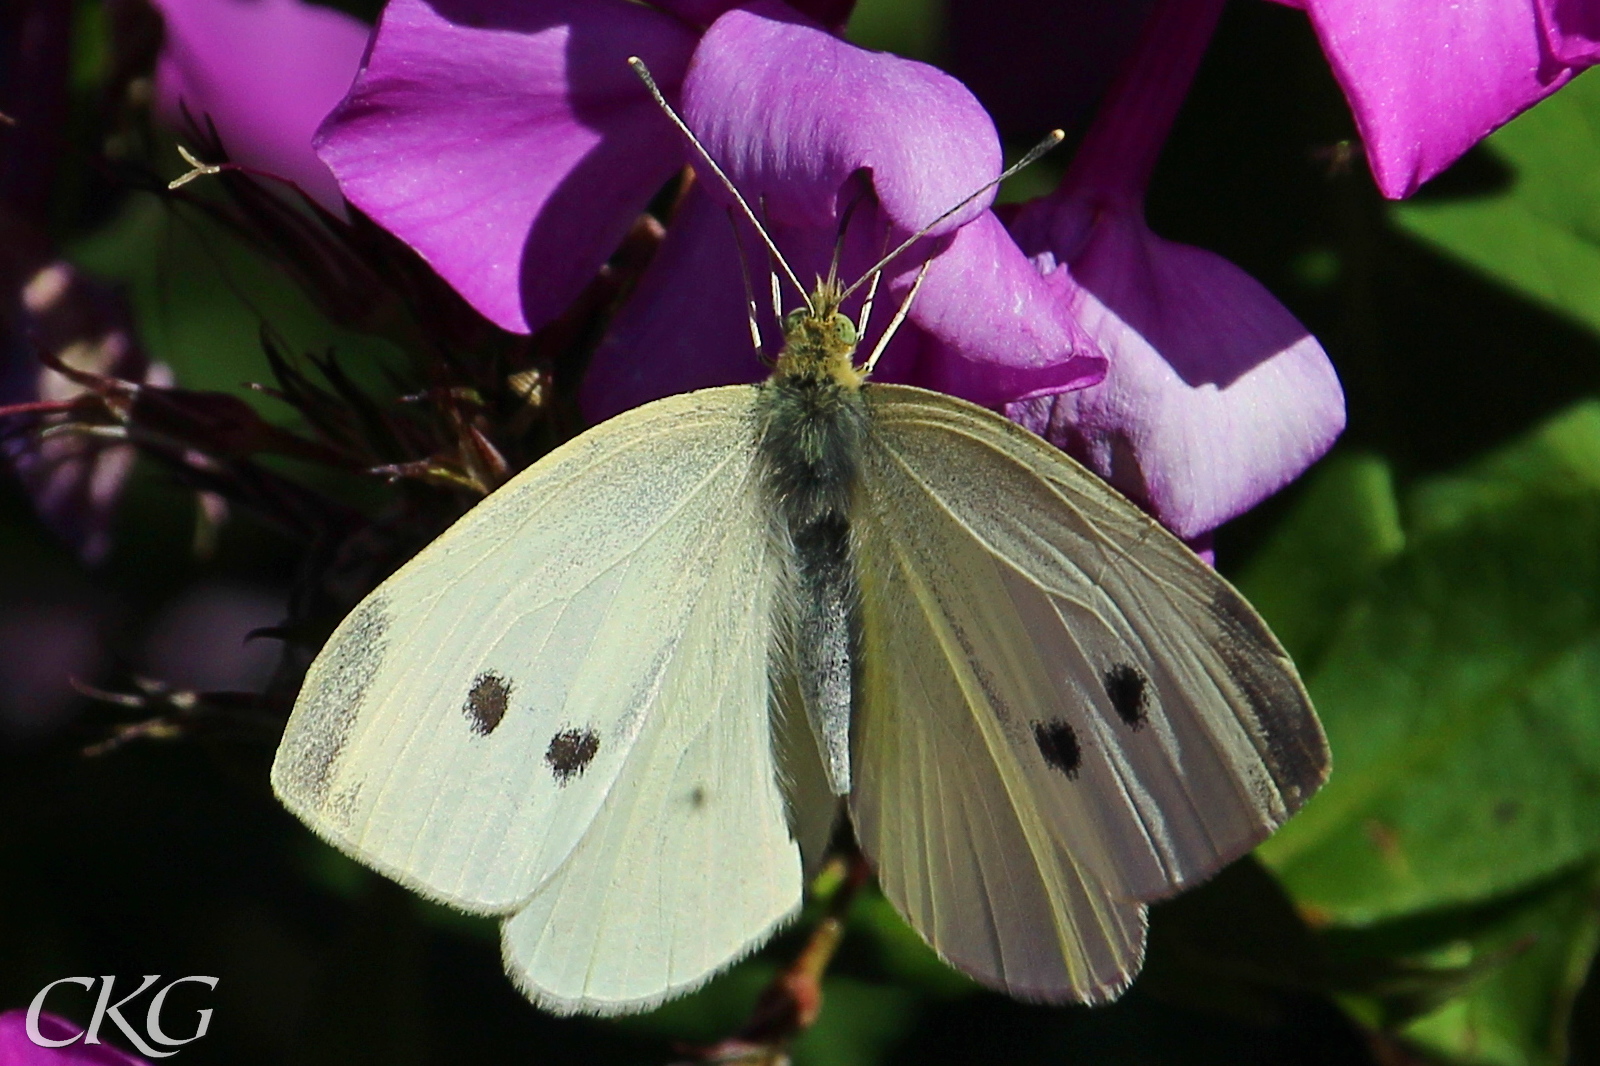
(819, 341)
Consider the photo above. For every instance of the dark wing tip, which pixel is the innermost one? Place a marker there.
(1288, 734)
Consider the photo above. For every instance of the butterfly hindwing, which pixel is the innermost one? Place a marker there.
(1063, 712)
(690, 862)
(560, 708)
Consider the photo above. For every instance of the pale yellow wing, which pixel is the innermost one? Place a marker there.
(561, 708)
(1063, 712)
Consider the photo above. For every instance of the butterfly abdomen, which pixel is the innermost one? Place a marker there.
(811, 424)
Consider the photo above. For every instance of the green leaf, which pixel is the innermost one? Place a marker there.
(1560, 461)
(1344, 527)
(1518, 1015)
(1492, 984)
(907, 27)
(1542, 234)
(1461, 694)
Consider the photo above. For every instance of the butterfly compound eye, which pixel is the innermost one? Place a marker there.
(844, 329)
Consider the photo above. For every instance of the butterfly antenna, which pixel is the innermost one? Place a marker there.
(650, 83)
(894, 323)
(749, 289)
(838, 242)
(871, 297)
(866, 305)
(1055, 137)
(773, 282)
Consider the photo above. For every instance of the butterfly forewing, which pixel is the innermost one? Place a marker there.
(578, 665)
(961, 835)
(1063, 711)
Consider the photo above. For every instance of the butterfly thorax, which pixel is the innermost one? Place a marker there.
(811, 423)
(812, 416)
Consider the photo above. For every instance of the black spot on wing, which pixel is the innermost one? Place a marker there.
(1059, 746)
(1127, 689)
(1285, 728)
(697, 797)
(570, 753)
(487, 702)
(328, 712)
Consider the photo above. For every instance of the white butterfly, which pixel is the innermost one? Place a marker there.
(619, 700)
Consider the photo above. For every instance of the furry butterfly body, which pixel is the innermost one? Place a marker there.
(623, 700)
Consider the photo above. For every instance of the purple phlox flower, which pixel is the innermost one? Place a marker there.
(1215, 396)
(813, 130)
(1427, 79)
(75, 480)
(266, 73)
(18, 1049)
(508, 142)
(512, 146)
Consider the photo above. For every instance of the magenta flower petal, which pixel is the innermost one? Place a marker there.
(16, 1049)
(1215, 397)
(266, 72)
(685, 326)
(991, 329)
(1571, 31)
(830, 13)
(1427, 79)
(795, 115)
(791, 112)
(509, 143)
